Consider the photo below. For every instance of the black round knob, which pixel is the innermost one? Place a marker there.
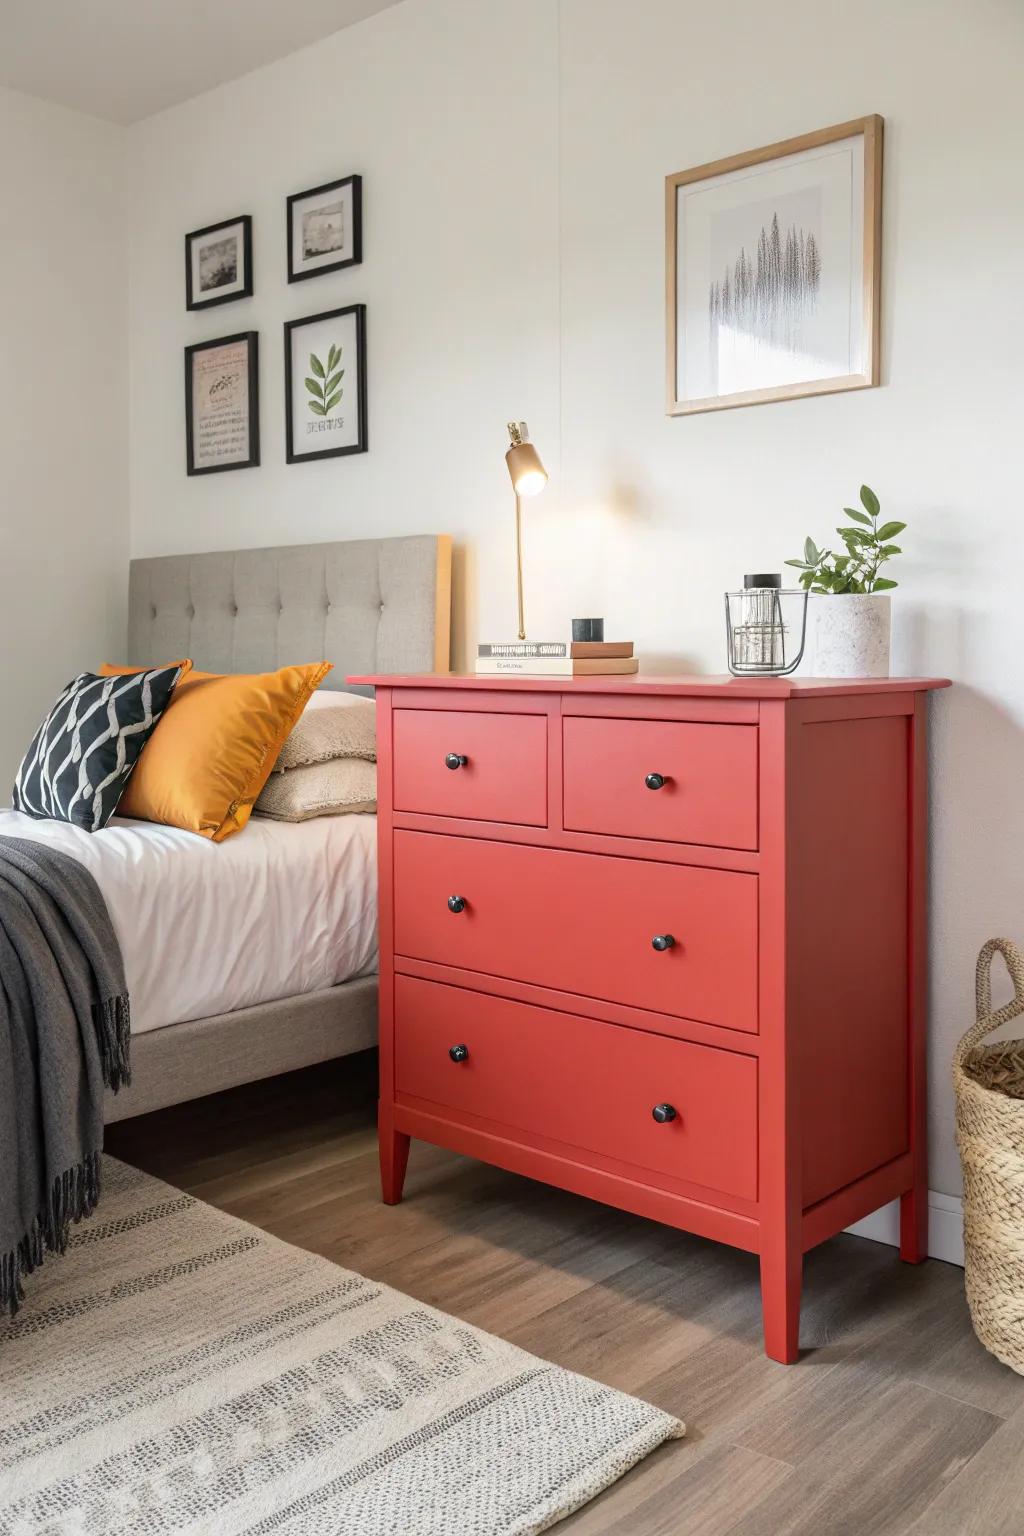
(456, 760)
(461, 1053)
(661, 941)
(456, 903)
(655, 781)
(663, 1113)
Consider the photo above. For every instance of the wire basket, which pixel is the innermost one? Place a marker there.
(766, 628)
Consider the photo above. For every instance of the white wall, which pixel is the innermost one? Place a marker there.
(63, 407)
(514, 167)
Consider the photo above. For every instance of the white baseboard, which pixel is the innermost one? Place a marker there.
(945, 1227)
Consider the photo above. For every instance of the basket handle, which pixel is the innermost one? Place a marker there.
(987, 1021)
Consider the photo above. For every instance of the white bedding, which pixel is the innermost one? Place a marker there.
(275, 910)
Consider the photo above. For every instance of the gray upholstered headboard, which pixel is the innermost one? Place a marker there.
(367, 605)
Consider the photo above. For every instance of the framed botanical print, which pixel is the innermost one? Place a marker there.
(222, 425)
(218, 263)
(773, 271)
(325, 228)
(325, 384)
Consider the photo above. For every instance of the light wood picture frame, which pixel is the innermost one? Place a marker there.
(773, 271)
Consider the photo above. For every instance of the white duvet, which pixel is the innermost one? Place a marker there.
(205, 928)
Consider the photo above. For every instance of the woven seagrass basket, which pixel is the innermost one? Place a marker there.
(989, 1084)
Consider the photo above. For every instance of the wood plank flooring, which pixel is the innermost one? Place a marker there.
(894, 1421)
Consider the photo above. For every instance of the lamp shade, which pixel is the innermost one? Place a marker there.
(524, 466)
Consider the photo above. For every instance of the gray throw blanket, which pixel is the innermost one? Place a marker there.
(64, 1029)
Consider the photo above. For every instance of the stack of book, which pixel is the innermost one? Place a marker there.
(556, 658)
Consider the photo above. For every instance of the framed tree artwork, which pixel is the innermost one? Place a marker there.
(325, 228)
(218, 263)
(773, 264)
(222, 419)
(325, 384)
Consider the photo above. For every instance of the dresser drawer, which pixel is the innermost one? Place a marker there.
(709, 793)
(504, 776)
(581, 1082)
(583, 923)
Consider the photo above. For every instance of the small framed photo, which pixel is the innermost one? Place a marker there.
(325, 228)
(218, 263)
(222, 419)
(773, 274)
(325, 384)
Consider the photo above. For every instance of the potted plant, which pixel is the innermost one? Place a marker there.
(850, 638)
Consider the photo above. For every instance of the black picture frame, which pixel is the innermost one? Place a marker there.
(197, 301)
(360, 446)
(251, 338)
(356, 183)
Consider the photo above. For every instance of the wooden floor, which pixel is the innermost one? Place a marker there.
(895, 1419)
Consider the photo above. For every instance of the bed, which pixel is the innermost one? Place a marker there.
(260, 952)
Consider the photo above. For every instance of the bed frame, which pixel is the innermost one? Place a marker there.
(368, 606)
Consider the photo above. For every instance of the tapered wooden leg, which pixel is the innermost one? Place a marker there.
(394, 1157)
(781, 1277)
(914, 1225)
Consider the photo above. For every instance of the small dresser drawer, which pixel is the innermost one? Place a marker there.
(590, 1085)
(486, 767)
(668, 937)
(662, 779)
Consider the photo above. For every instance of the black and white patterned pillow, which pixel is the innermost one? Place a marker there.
(84, 751)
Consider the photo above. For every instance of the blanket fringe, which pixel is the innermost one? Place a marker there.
(113, 1031)
(73, 1195)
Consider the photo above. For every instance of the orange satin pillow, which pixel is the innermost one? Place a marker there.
(214, 748)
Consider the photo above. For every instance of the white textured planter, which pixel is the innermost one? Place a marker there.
(848, 636)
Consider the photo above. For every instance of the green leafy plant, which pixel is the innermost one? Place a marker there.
(868, 547)
(325, 387)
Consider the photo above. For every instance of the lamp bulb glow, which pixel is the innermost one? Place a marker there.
(531, 482)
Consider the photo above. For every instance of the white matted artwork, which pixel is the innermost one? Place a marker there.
(325, 384)
(222, 428)
(218, 263)
(325, 228)
(772, 271)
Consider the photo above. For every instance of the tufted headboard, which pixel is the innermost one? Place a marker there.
(367, 605)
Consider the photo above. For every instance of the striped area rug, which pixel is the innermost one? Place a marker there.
(180, 1372)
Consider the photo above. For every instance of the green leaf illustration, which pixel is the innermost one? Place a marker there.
(326, 394)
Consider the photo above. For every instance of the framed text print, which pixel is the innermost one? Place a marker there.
(772, 271)
(218, 263)
(325, 384)
(325, 228)
(222, 418)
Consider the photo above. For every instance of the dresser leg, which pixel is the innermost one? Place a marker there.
(781, 1276)
(394, 1157)
(914, 1225)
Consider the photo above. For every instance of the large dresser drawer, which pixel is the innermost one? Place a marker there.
(583, 923)
(578, 1081)
(670, 780)
(487, 767)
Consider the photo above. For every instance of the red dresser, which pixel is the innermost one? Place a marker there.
(661, 941)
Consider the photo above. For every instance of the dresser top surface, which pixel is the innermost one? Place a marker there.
(723, 687)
